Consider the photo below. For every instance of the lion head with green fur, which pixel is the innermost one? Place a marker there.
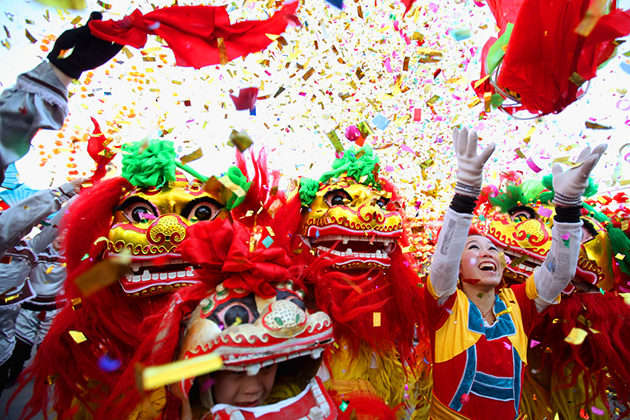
(519, 220)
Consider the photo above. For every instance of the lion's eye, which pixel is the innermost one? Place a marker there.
(337, 198)
(202, 209)
(382, 202)
(139, 210)
(522, 213)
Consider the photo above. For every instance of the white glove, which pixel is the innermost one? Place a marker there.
(569, 185)
(469, 163)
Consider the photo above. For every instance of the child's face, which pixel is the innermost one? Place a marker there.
(240, 389)
(482, 262)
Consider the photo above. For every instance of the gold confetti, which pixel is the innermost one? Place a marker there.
(29, 36)
(241, 140)
(127, 52)
(596, 126)
(595, 11)
(487, 97)
(101, 275)
(190, 157)
(77, 336)
(308, 74)
(528, 136)
(76, 303)
(64, 4)
(156, 376)
(474, 103)
(626, 297)
(334, 139)
(376, 319)
(576, 336)
(223, 58)
(481, 81)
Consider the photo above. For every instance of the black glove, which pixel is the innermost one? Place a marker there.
(89, 51)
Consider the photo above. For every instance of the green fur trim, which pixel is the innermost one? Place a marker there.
(308, 191)
(359, 164)
(532, 191)
(619, 242)
(523, 194)
(590, 190)
(620, 245)
(236, 176)
(149, 163)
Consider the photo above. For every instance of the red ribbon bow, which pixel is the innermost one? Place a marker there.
(222, 248)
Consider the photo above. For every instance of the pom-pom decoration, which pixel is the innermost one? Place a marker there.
(149, 163)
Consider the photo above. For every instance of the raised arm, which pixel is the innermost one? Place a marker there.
(559, 266)
(39, 98)
(48, 234)
(18, 220)
(458, 218)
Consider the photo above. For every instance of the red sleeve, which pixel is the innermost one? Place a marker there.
(527, 306)
(437, 314)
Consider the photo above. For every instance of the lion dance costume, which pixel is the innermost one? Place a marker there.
(248, 308)
(143, 214)
(353, 220)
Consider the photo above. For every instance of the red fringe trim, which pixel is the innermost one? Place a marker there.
(602, 359)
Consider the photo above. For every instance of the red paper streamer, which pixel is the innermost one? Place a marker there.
(99, 152)
(198, 35)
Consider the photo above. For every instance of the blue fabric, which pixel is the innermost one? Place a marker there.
(517, 379)
(11, 178)
(495, 381)
(467, 379)
(480, 383)
(14, 196)
(503, 327)
(494, 393)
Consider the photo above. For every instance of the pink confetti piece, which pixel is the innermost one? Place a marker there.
(544, 211)
(148, 216)
(533, 166)
(406, 148)
(533, 343)
(388, 66)
(597, 411)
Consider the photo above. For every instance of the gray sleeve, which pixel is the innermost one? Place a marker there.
(444, 270)
(18, 220)
(38, 100)
(559, 266)
(48, 234)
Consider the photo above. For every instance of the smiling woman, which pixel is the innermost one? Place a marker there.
(479, 331)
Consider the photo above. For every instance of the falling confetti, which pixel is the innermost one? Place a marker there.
(156, 376)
